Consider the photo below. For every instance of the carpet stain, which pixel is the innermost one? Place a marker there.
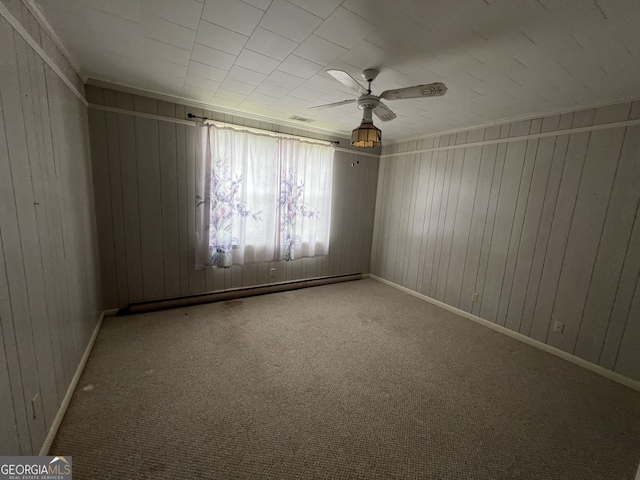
(232, 303)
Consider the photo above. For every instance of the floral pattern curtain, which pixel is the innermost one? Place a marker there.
(260, 198)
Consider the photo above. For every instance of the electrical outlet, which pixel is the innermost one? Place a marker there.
(36, 406)
(474, 297)
(272, 272)
(558, 327)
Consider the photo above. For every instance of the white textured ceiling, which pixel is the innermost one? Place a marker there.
(500, 59)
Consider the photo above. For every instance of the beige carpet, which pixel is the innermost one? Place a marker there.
(345, 381)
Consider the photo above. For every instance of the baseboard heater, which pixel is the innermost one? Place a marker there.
(234, 293)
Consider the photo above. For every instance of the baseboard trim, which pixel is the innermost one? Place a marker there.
(72, 387)
(235, 293)
(616, 377)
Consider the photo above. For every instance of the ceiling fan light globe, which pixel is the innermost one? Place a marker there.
(366, 136)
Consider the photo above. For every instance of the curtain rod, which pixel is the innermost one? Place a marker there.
(204, 119)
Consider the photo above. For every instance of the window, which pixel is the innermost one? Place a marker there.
(260, 198)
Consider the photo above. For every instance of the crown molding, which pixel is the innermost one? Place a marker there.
(212, 107)
(520, 118)
(20, 30)
(520, 138)
(44, 23)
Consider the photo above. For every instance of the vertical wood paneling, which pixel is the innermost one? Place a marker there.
(53, 264)
(33, 239)
(196, 277)
(408, 211)
(181, 187)
(430, 164)
(421, 180)
(379, 217)
(489, 228)
(585, 234)
(541, 242)
(17, 211)
(449, 222)
(384, 240)
(623, 299)
(487, 167)
(156, 167)
(439, 165)
(366, 213)
(542, 229)
(49, 271)
(250, 275)
(129, 169)
(572, 173)
(532, 153)
(59, 167)
(16, 382)
(612, 250)
(262, 274)
(99, 155)
(117, 201)
(443, 195)
(149, 199)
(354, 229)
(490, 219)
(339, 223)
(403, 218)
(236, 272)
(8, 426)
(169, 195)
(394, 214)
(515, 285)
(41, 191)
(349, 230)
(627, 362)
(56, 215)
(462, 228)
(500, 239)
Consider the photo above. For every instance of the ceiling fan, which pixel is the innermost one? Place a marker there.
(367, 135)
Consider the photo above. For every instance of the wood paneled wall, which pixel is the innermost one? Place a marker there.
(49, 271)
(542, 229)
(144, 183)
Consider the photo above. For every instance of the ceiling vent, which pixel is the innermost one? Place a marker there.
(301, 119)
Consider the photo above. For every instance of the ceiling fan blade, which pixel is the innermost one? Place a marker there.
(430, 90)
(347, 80)
(384, 113)
(329, 105)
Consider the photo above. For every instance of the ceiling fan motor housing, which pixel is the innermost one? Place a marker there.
(368, 101)
(370, 74)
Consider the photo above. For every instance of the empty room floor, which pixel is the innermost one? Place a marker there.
(344, 381)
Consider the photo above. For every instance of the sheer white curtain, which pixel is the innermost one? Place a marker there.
(305, 198)
(260, 198)
(235, 197)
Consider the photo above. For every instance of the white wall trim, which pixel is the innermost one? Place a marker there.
(192, 123)
(51, 435)
(531, 136)
(38, 49)
(133, 113)
(212, 107)
(635, 385)
(44, 23)
(522, 118)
